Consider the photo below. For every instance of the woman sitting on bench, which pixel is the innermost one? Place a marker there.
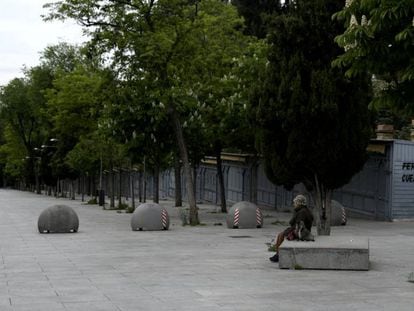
(300, 225)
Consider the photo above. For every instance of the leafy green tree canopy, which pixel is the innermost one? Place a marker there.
(379, 39)
(22, 106)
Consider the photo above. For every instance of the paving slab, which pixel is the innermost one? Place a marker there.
(107, 266)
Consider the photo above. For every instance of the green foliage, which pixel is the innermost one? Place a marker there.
(92, 201)
(280, 222)
(139, 121)
(16, 109)
(272, 248)
(57, 99)
(62, 57)
(224, 103)
(122, 206)
(22, 105)
(182, 54)
(379, 39)
(256, 14)
(74, 104)
(130, 209)
(12, 156)
(85, 155)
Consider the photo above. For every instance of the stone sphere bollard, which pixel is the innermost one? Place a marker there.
(150, 216)
(244, 215)
(338, 214)
(58, 219)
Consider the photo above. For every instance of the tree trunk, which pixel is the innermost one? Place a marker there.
(57, 188)
(89, 180)
(186, 166)
(195, 181)
(177, 180)
(82, 186)
(73, 194)
(140, 187)
(144, 180)
(37, 164)
(253, 182)
(220, 176)
(120, 188)
(128, 183)
(132, 181)
(322, 198)
(156, 185)
(112, 201)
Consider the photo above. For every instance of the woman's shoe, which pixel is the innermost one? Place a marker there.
(274, 258)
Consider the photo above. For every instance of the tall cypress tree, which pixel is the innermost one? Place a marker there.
(314, 123)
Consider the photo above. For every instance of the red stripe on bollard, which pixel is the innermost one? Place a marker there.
(343, 216)
(236, 217)
(258, 216)
(164, 217)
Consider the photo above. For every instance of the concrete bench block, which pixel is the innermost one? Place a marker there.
(326, 253)
(58, 219)
(244, 215)
(150, 216)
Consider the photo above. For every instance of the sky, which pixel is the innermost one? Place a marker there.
(23, 35)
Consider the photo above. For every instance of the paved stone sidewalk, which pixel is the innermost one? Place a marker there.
(106, 266)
